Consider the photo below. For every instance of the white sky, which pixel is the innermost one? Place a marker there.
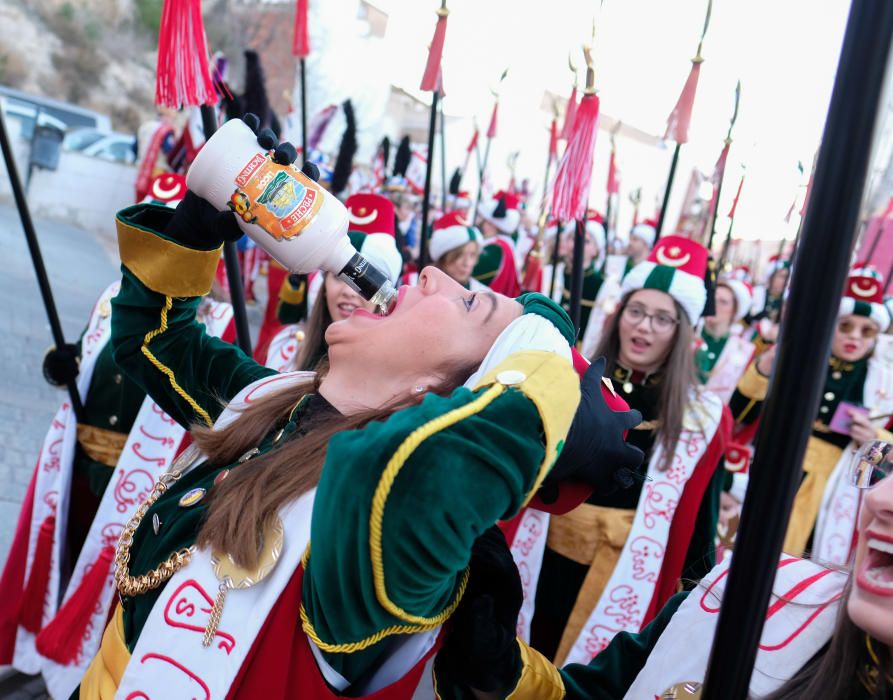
(784, 52)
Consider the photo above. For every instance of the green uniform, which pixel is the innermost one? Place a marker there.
(488, 264)
(592, 282)
(451, 487)
(292, 304)
(708, 353)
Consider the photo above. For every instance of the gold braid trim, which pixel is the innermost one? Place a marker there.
(352, 647)
(167, 371)
(382, 491)
(292, 295)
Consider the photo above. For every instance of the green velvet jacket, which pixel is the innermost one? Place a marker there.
(450, 488)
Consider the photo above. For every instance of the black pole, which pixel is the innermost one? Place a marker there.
(483, 172)
(304, 154)
(889, 275)
(231, 259)
(577, 272)
(426, 202)
(37, 260)
(804, 346)
(669, 187)
(443, 169)
(726, 245)
(555, 260)
(713, 214)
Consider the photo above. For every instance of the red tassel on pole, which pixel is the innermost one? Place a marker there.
(569, 116)
(680, 117)
(613, 180)
(61, 639)
(570, 193)
(553, 141)
(731, 214)
(435, 53)
(35, 593)
(183, 76)
(491, 130)
(474, 141)
(301, 44)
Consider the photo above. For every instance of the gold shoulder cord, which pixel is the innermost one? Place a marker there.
(130, 586)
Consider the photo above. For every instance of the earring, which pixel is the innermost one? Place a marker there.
(419, 389)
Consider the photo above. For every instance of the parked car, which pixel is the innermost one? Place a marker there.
(27, 115)
(71, 115)
(102, 144)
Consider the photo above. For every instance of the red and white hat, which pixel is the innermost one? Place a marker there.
(594, 229)
(742, 273)
(449, 232)
(775, 264)
(645, 230)
(371, 230)
(502, 212)
(863, 295)
(677, 266)
(167, 189)
(743, 292)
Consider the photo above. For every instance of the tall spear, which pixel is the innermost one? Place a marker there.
(803, 348)
(720, 172)
(183, 79)
(491, 134)
(432, 81)
(613, 187)
(43, 282)
(570, 194)
(731, 217)
(680, 118)
(301, 49)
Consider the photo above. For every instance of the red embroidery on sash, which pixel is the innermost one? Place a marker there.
(598, 638)
(158, 411)
(186, 608)
(180, 667)
(661, 500)
(128, 492)
(647, 555)
(159, 461)
(269, 381)
(51, 498)
(165, 440)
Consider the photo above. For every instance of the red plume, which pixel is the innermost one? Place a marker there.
(301, 45)
(613, 180)
(735, 201)
(183, 77)
(430, 80)
(570, 194)
(680, 117)
(491, 130)
(474, 141)
(569, 116)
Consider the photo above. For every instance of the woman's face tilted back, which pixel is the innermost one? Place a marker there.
(644, 346)
(870, 604)
(434, 327)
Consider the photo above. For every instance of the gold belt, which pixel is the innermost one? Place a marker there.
(100, 445)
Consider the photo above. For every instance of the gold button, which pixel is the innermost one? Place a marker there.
(118, 379)
(829, 396)
(113, 420)
(511, 377)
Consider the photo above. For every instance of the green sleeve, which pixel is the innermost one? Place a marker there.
(292, 304)
(610, 674)
(488, 263)
(156, 338)
(454, 485)
(701, 555)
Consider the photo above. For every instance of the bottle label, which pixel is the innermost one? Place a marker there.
(278, 198)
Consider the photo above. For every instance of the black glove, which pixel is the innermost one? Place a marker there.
(60, 365)
(479, 650)
(595, 451)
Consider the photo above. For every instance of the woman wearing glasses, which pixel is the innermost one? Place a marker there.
(856, 402)
(611, 563)
(827, 634)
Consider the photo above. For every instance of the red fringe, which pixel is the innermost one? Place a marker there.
(183, 74)
(491, 130)
(570, 194)
(553, 140)
(35, 593)
(301, 45)
(62, 638)
(431, 77)
(569, 115)
(613, 181)
(680, 117)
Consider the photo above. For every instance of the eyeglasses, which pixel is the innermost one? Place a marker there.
(872, 464)
(661, 322)
(868, 331)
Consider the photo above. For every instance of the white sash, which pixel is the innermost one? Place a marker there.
(732, 362)
(528, 547)
(169, 659)
(839, 512)
(283, 348)
(799, 622)
(148, 453)
(606, 301)
(629, 591)
(53, 485)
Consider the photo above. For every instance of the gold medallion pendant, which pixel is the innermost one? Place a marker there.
(233, 576)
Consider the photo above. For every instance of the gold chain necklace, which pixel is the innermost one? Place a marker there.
(130, 586)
